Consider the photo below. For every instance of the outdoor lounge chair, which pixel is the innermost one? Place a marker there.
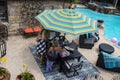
(108, 62)
(29, 31)
(86, 42)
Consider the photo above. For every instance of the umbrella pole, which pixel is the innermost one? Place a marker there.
(71, 4)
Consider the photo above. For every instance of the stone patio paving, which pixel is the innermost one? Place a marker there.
(18, 53)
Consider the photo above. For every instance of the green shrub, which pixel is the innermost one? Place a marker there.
(27, 76)
(3, 72)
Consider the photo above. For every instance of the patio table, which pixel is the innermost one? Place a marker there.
(73, 55)
(106, 48)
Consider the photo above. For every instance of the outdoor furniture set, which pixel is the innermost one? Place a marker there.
(106, 60)
(66, 62)
(69, 64)
(66, 25)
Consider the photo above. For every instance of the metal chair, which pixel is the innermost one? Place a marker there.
(3, 32)
(2, 48)
(71, 67)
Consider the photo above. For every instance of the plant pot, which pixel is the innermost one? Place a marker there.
(19, 77)
(100, 23)
(7, 76)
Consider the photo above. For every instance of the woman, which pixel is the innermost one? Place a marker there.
(42, 45)
(54, 53)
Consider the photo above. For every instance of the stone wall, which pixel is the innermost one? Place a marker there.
(13, 16)
(21, 13)
(101, 9)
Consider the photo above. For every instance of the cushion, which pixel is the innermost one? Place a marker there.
(87, 36)
(37, 29)
(111, 61)
(90, 35)
(73, 45)
(89, 41)
(28, 30)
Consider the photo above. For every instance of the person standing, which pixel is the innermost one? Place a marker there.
(42, 45)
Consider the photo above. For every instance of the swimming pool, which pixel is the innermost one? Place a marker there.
(111, 22)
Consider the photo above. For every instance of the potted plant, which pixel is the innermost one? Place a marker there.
(4, 73)
(100, 23)
(25, 74)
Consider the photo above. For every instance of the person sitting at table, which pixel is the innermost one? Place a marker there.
(53, 53)
(58, 49)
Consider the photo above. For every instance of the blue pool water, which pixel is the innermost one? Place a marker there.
(111, 22)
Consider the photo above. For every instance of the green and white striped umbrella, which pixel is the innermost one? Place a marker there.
(67, 21)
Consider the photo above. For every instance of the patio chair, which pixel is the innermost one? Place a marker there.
(108, 62)
(86, 42)
(2, 48)
(71, 67)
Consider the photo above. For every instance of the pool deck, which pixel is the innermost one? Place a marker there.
(18, 53)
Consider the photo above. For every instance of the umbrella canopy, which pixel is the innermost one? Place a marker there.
(66, 21)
